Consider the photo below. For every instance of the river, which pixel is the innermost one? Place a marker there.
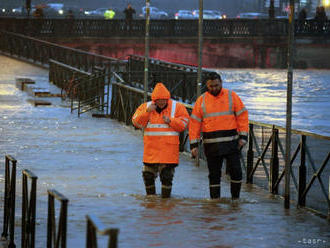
(264, 94)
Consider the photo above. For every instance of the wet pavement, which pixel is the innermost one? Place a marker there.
(96, 163)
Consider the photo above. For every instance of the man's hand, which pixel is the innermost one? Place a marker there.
(194, 152)
(151, 107)
(241, 143)
(166, 119)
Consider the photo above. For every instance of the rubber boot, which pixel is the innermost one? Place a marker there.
(149, 182)
(151, 190)
(215, 192)
(166, 191)
(235, 189)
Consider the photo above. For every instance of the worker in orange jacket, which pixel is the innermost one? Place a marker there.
(162, 120)
(223, 120)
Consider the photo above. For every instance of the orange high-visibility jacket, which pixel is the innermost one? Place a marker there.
(161, 140)
(221, 119)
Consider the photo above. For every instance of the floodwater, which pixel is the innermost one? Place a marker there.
(96, 164)
(264, 94)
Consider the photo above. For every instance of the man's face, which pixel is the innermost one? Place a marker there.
(214, 86)
(161, 103)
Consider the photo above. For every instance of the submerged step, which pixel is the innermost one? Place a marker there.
(100, 116)
(21, 82)
(36, 102)
(36, 91)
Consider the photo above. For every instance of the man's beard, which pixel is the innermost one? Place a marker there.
(215, 92)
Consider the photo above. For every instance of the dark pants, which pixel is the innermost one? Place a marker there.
(166, 174)
(235, 171)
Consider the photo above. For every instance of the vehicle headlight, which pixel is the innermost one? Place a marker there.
(61, 11)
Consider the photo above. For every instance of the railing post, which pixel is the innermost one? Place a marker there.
(28, 210)
(274, 163)
(56, 239)
(302, 173)
(329, 200)
(94, 227)
(250, 156)
(9, 204)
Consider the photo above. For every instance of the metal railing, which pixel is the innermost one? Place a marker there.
(181, 80)
(56, 235)
(161, 28)
(9, 204)
(86, 90)
(28, 209)
(41, 52)
(94, 227)
(265, 162)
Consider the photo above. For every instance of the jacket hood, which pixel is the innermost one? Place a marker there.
(160, 92)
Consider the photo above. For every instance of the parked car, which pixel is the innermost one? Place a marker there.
(208, 14)
(75, 11)
(252, 15)
(183, 14)
(155, 13)
(96, 12)
(219, 14)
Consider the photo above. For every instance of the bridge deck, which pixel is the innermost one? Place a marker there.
(96, 163)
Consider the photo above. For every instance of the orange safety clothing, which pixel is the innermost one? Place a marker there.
(223, 119)
(161, 140)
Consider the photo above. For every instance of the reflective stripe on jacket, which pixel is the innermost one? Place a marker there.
(221, 118)
(161, 140)
(109, 14)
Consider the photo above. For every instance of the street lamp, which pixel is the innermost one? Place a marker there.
(146, 47)
(200, 48)
(200, 55)
(287, 167)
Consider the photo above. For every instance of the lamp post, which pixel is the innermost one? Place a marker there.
(146, 58)
(287, 167)
(200, 55)
(200, 48)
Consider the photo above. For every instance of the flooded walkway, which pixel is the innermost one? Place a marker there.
(96, 163)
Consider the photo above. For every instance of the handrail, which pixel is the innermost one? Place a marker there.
(294, 131)
(56, 239)
(86, 90)
(28, 209)
(161, 28)
(276, 163)
(40, 52)
(9, 204)
(94, 227)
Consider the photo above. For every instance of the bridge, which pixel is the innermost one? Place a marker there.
(231, 43)
(97, 85)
